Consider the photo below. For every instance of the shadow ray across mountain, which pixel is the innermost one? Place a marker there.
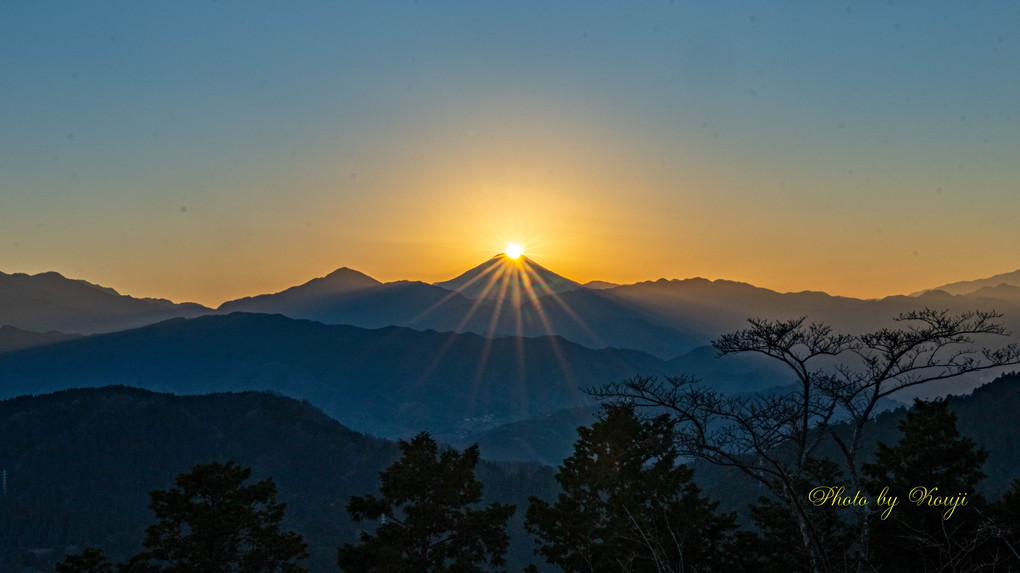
(390, 382)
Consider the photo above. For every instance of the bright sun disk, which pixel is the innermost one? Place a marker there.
(513, 250)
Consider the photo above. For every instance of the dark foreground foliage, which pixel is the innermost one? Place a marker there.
(427, 516)
(210, 522)
(627, 505)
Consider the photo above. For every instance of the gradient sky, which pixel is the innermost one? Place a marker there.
(210, 150)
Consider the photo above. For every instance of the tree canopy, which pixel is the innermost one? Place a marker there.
(211, 522)
(837, 378)
(627, 505)
(426, 516)
(930, 458)
(90, 560)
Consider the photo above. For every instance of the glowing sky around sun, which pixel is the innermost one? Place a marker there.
(206, 151)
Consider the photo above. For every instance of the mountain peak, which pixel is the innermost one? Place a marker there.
(505, 277)
(341, 281)
(50, 301)
(349, 274)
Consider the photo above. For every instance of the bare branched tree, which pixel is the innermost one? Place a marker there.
(771, 437)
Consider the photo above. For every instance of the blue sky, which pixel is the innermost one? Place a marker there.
(209, 150)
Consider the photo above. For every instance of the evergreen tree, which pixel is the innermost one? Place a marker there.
(930, 451)
(1006, 513)
(930, 454)
(425, 519)
(626, 504)
(211, 522)
(771, 436)
(776, 548)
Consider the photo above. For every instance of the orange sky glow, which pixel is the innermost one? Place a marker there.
(865, 157)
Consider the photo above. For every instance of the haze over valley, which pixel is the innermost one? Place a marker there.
(504, 342)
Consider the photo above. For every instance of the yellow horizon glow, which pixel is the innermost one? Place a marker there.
(557, 190)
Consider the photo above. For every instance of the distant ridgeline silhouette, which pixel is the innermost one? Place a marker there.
(50, 302)
(500, 297)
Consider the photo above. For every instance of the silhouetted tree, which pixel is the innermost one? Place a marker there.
(425, 519)
(90, 560)
(211, 522)
(930, 454)
(1006, 513)
(626, 504)
(776, 546)
(771, 437)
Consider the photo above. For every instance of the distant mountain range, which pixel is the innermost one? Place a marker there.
(667, 318)
(12, 338)
(973, 287)
(390, 382)
(51, 302)
(499, 355)
(507, 342)
(503, 297)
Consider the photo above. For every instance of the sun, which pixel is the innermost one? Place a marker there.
(513, 250)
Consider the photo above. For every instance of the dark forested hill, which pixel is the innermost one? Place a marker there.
(990, 415)
(80, 464)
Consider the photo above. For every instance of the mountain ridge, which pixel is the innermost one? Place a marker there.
(969, 286)
(665, 317)
(50, 301)
(340, 281)
(521, 276)
(389, 381)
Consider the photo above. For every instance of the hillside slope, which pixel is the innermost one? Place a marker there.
(80, 464)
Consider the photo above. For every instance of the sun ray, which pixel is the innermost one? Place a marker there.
(548, 328)
(493, 322)
(494, 272)
(520, 295)
(454, 293)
